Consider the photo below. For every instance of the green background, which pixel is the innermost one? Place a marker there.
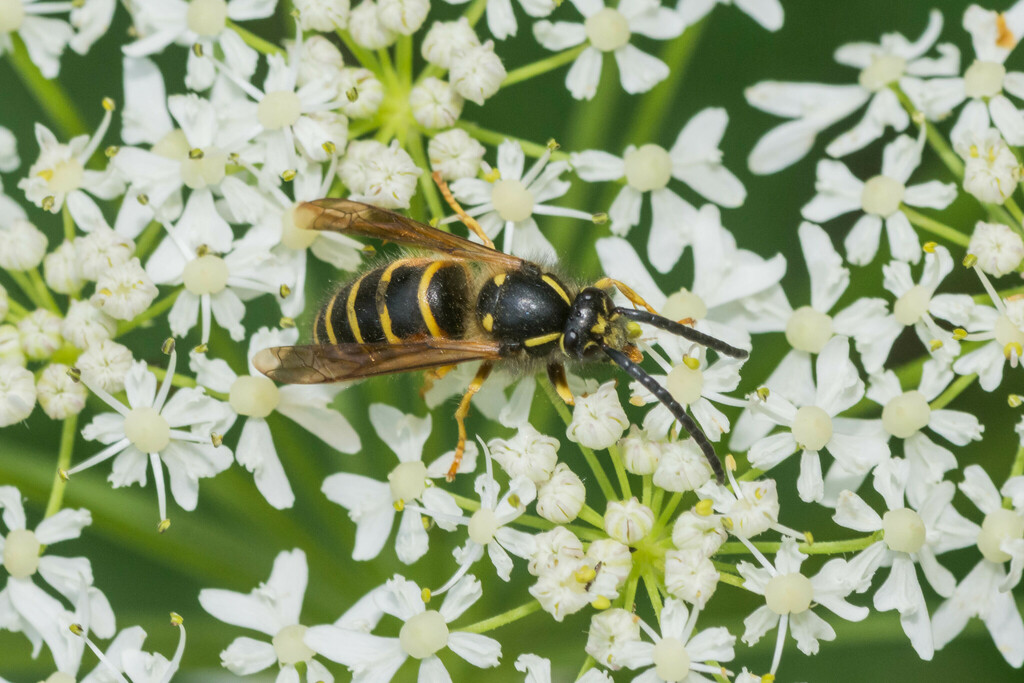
(231, 540)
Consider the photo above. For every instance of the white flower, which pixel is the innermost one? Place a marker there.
(24, 245)
(789, 596)
(476, 72)
(435, 104)
(323, 15)
(695, 159)
(255, 397)
(509, 199)
(100, 250)
(906, 414)
(598, 419)
(45, 37)
(1004, 326)
(363, 93)
(628, 521)
(445, 39)
(609, 30)
(372, 504)
(748, 508)
(501, 18)
(999, 249)
(59, 396)
(815, 106)
(124, 291)
(106, 363)
(153, 425)
(272, 609)
(126, 656)
(609, 633)
(529, 454)
(404, 17)
(367, 29)
(911, 536)
(879, 198)
(17, 393)
(84, 325)
(158, 23)
(986, 592)
(423, 634)
(678, 653)
(26, 607)
(384, 176)
(569, 579)
(60, 269)
(454, 154)
(857, 445)
(538, 670)
(561, 497)
(691, 576)
(768, 13)
(991, 171)
(40, 334)
(697, 530)
(11, 352)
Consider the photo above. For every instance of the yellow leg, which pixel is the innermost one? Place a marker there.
(466, 219)
(627, 291)
(462, 412)
(433, 375)
(556, 373)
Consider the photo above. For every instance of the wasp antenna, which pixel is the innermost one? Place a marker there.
(661, 393)
(672, 326)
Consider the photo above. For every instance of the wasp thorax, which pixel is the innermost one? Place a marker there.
(207, 274)
(684, 305)
(512, 200)
(906, 414)
(147, 429)
(882, 71)
(789, 593)
(254, 396)
(292, 236)
(882, 195)
(21, 553)
(648, 168)
(207, 17)
(423, 634)
(808, 330)
(408, 480)
(984, 79)
(289, 646)
(607, 30)
(12, 13)
(279, 109)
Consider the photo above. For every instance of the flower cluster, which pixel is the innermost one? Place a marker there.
(184, 216)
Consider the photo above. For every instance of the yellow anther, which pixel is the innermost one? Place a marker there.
(935, 344)
(288, 175)
(514, 500)
(759, 493)
(599, 218)
(48, 203)
(427, 522)
(959, 333)
(352, 94)
(425, 595)
(1014, 400)
(1013, 348)
(585, 574)
(168, 346)
(399, 505)
(202, 250)
(730, 462)
(46, 174)
(763, 393)
(163, 526)
(929, 247)
(970, 261)
(918, 118)
(75, 374)
(703, 507)
(197, 50)
(768, 678)
(552, 145)
(727, 523)
(295, 14)
(601, 602)
(634, 330)
(216, 439)
(106, 292)
(330, 147)
(111, 151)
(109, 104)
(195, 153)
(77, 629)
(492, 176)
(973, 151)
(636, 401)
(809, 537)
(201, 348)
(177, 619)
(63, 474)
(691, 362)
(286, 323)
(142, 198)
(284, 291)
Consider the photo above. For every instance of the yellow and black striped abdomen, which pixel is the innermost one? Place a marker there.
(407, 298)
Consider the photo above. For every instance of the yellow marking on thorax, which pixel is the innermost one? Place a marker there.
(316, 334)
(488, 322)
(350, 309)
(382, 308)
(542, 339)
(328, 316)
(553, 284)
(499, 279)
(421, 296)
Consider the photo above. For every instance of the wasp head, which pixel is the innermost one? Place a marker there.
(592, 322)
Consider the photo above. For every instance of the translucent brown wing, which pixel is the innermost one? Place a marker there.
(354, 218)
(321, 363)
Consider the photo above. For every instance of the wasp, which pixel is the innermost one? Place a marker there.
(463, 301)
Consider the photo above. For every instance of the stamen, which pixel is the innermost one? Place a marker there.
(107, 453)
(161, 493)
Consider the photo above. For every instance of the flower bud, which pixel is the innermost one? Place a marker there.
(628, 521)
(554, 548)
(529, 454)
(998, 248)
(60, 269)
(17, 394)
(614, 558)
(40, 334)
(105, 363)
(598, 419)
(321, 63)
(477, 72)
(690, 576)
(60, 396)
(693, 531)
(455, 154)
(24, 246)
(991, 171)
(561, 498)
(360, 92)
(322, 15)
(446, 38)
(101, 250)
(609, 632)
(756, 511)
(403, 16)
(124, 291)
(683, 467)
(86, 325)
(389, 178)
(366, 28)
(435, 104)
(10, 346)
(640, 454)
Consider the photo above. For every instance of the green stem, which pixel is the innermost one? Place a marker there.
(475, 11)
(502, 619)
(670, 508)
(730, 579)
(595, 465)
(148, 239)
(430, 191)
(1016, 469)
(361, 128)
(16, 309)
(620, 472)
(67, 443)
(48, 93)
(495, 138)
(592, 516)
(364, 56)
(651, 584)
(935, 227)
(403, 53)
(69, 223)
(180, 381)
(1014, 210)
(822, 548)
(44, 291)
(935, 138)
(254, 41)
(542, 66)
(23, 282)
(645, 496)
(153, 311)
(387, 68)
(629, 594)
(951, 392)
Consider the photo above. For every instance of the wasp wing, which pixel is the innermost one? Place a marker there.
(322, 363)
(354, 218)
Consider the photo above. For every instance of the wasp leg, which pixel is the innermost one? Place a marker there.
(556, 373)
(433, 375)
(463, 411)
(627, 291)
(466, 219)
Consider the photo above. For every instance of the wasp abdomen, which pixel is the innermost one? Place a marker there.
(404, 299)
(524, 308)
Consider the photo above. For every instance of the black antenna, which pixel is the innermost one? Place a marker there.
(661, 393)
(672, 326)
